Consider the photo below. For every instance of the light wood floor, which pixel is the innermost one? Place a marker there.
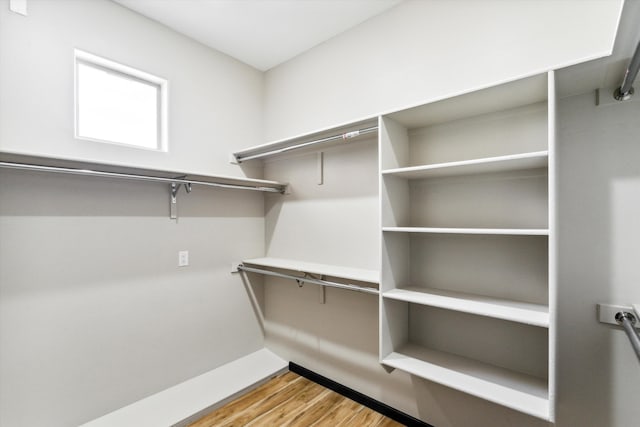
(292, 400)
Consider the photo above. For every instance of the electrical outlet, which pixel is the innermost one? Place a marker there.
(183, 258)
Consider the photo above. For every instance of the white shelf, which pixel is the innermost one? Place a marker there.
(359, 274)
(530, 314)
(502, 97)
(322, 136)
(109, 170)
(198, 396)
(533, 160)
(505, 231)
(508, 388)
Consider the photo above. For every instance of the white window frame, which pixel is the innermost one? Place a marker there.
(86, 58)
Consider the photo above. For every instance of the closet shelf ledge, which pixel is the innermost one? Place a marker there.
(512, 389)
(512, 162)
(348, 273)
(498, 308)
(320, 138)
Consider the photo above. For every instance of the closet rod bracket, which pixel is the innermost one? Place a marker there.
(174, 188)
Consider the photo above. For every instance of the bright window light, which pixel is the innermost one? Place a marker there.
(119, 104)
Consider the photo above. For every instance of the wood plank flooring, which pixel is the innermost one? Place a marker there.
(292, 400)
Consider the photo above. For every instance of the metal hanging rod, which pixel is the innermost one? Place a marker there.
(627, 321)
(343, 136)
(311, 280)
(625, 91)
(89, 172)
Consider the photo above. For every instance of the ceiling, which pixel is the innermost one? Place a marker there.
(266, 33)
(261, 33)
(605, 73)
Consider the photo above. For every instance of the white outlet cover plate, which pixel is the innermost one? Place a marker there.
(183, 258)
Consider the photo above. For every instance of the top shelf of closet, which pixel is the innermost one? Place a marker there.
(106, 170)
(538, 159)
(328, 137)
(519, 93)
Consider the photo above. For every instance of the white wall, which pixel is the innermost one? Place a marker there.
(598, 237)
(214, 100)
(94, 312)
(333, 223)
(424, 50)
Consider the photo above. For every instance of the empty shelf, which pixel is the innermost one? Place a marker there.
(508, 388)
(527, 313)
(532, 160)
(363, 275)
(197, 396)
(324, 137)
(508, 231)
(106, 170)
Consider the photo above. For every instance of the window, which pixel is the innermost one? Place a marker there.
(119, 104)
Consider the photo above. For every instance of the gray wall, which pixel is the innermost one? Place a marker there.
(94, 312)
(424, 50)
(215, 101)
(599, 245)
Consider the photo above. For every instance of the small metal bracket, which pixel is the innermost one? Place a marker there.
(323, 292)
(174, 188)
(619, 96)
(625, 315)
(611, 314)
(605, 97)
(323, 289)
(320, 165)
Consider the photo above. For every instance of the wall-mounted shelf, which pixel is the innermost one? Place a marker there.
(512, 162)
(503, 231)
(351, 279)
(515, 311)
(104, 170)
(348, 273)
(512, 389)
(323, 138)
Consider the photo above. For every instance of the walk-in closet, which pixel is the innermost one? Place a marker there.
(319, 213)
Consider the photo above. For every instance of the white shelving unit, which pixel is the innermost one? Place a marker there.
(468, 243)
(467, 190)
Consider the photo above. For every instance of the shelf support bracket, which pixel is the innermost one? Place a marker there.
(173, 206)
(323, 292)
(320, 167)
